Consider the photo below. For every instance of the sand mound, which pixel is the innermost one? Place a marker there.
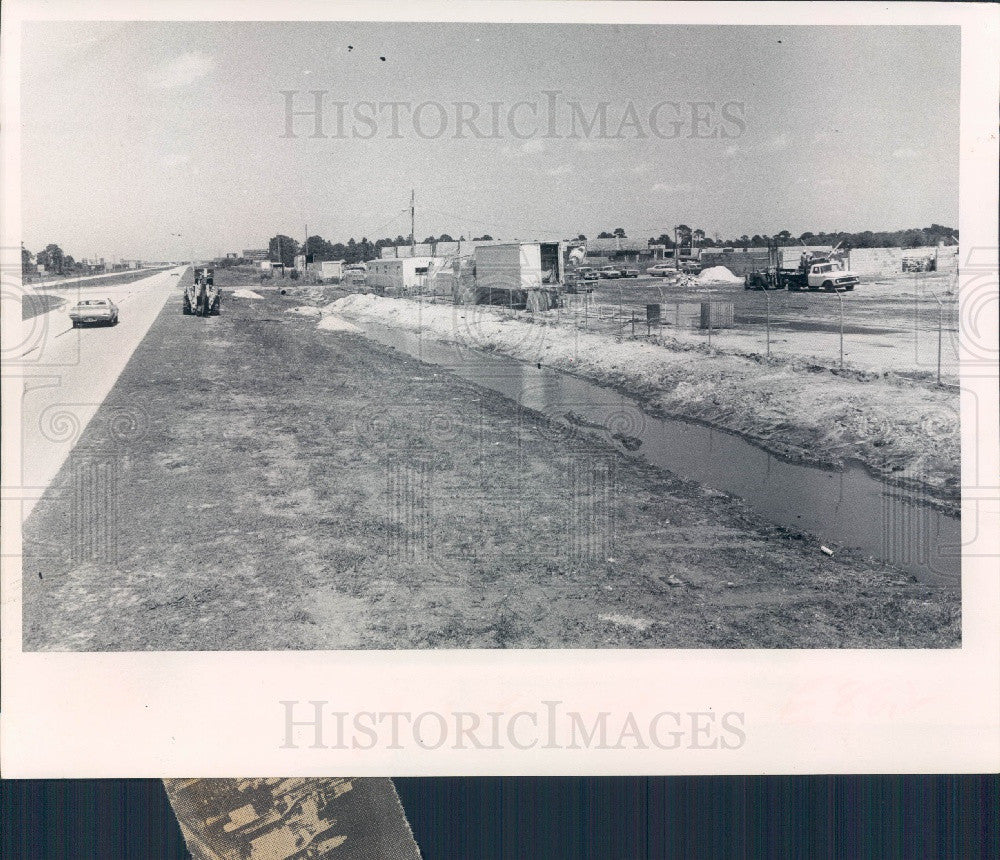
(333, 323)
(247, 294)
(305, 310)
(719, 275)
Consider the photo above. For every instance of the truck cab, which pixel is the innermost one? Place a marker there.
(828, 275)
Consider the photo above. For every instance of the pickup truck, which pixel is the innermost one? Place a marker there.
(820, 274)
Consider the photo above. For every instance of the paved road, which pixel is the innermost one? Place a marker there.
(73, 281)
(70, 372)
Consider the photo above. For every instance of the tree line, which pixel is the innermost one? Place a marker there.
(914, 237)
(52, 258)
(284, 248)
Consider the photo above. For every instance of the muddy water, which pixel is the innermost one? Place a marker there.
(839, 507)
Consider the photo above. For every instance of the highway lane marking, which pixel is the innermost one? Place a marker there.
(121, 299)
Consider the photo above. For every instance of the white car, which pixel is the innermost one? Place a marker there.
(92, 311)
(660, 270)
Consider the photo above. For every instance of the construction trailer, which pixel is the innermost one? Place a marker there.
(520, 274)
(331, 269)
(399, 274)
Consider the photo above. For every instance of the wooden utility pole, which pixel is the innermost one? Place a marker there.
(413, 229)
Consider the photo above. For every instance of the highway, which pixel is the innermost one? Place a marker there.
(70, 282)
(68, 373)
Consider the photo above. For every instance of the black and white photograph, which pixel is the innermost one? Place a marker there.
(504, 388)
(400, 335)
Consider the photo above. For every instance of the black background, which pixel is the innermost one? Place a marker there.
(621, 817)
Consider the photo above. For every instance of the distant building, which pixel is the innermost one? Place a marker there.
(256, 255)
(611, 247)
(403, 274)
(331, 269)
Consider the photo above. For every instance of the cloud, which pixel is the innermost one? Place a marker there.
(596, 144)
(906, 153)
(534, 146)
(184, 70)
(561, 170)
(776, 144)
(673, 189)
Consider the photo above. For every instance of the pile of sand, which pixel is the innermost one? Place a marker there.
(247, 294)
(305, 310)
(719, 275)
(334, 323)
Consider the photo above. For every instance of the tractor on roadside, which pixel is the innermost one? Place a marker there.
(201, 296)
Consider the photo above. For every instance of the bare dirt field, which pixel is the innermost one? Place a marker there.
(256, 482)
(890, 322)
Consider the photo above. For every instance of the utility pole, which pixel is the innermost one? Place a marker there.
(305, 252)
(940, 327)
(413, 229)
(767, 298)
(840, 297)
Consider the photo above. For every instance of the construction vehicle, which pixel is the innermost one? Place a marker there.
(812, 273)
(201, 296)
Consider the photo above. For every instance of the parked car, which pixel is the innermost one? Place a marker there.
(591, 275)
(629, 273)
(660, 270)
(92, 311)
(609, 272)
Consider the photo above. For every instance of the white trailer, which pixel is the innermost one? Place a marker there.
(506, 273)
(400, 274)
(331, 269)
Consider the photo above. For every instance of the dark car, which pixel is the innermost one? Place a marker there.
(629, 273)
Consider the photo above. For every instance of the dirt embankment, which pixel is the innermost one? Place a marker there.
(298, 488)
(901, 430)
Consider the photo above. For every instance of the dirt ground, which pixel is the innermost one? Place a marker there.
(253, 482)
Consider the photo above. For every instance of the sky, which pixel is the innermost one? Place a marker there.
(165, 140)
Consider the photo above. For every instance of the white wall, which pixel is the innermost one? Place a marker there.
(512, 267)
